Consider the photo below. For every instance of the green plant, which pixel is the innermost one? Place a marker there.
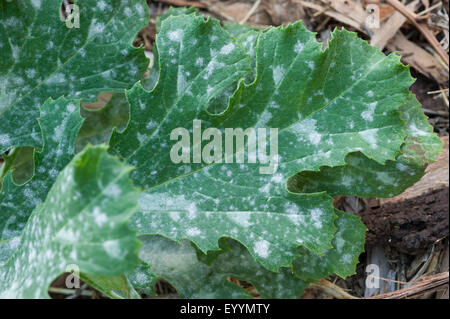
(347, 125)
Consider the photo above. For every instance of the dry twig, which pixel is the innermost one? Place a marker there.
(428, 34)
(424, 285)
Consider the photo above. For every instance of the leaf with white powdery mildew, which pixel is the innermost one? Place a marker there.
(180, 266)
(325, 105)
(60, 122)
(41, 57)
(83, 221)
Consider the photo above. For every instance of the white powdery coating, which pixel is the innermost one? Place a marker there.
(199, 62)
(5, 139)
(368, 114)
(36, 3)
(99, 217)
(316, 215)
(415, 131)
(182, 82)
(346, 259)
(278, 74)
(95, 28)
(112, 248)
(193, 231)
(262, 248)
(385, 178)
(56, 78)
(175, 216)
(304, 127)
(266, 116)
(176, 35)
(101, 5)
(31, 73)
(370, 136)
(340, 242)
(240, 218)
(163, 201)
(315, 137)
(113, 190)
(227, 49)
(299, 47)
(71, 107)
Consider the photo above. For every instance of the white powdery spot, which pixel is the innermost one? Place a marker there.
(368, 114)
(401, 167)
(347, 180)
(194, 231)
(99, 217)
(113, 190)
(212, 66)
(315, 137)
(112, 248)
(128, 12)
(67, 235)
(265, 189)
(31, 73)
(311, 64)
(299, 47)
(101, 5)
(415, 131)
(291, 208)
(71, 107)
(262, 248)
(346, 259)
(5, 139)
(151, 124)
(266, 116)
(36, 3)
(175, 216)
(385, 178)
(56, 78)
(96, 28)
(162, 201)
(370, 93)
(340, 242)
(192, 211)
(181, 80)
(227, 49)
(370, 136)
(141, 137)
(277, 178)
(176, 35)
(278, 74)
(304, 127)
(199, 62)
(240, 218)
(316, 217)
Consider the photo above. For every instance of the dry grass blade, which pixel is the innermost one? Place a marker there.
(428, 34)
(423, 286)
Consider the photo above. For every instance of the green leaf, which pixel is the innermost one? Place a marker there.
(83, 221)
(365, 178)
(60, 122)
(325, 104)
(20, 161)
(42, 58)
(116, 287)
(99, 123)
(422, 146)
(342, 258)
(179, 265)
(143, 279)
